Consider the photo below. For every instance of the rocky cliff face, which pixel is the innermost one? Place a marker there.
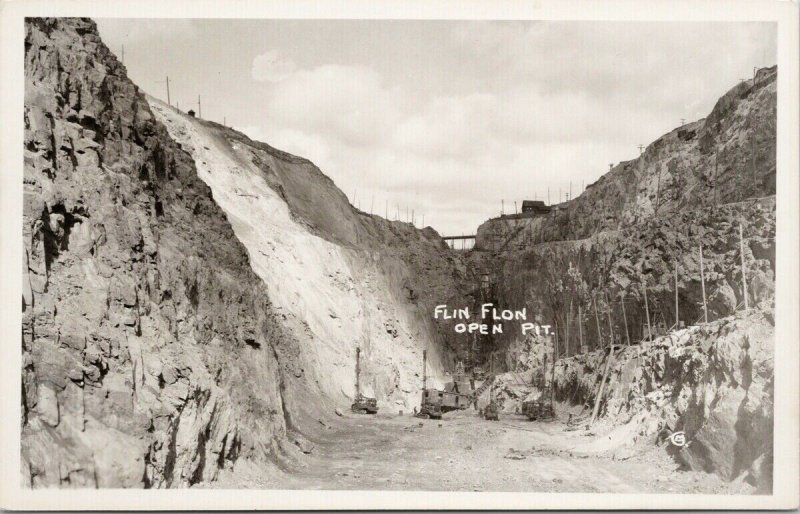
(584, 269)
(149, 345)
(580, 285)
(193, 297)
(726, 157)
(340, 278)
(713, 382)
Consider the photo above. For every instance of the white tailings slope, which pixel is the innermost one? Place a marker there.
(334, 297)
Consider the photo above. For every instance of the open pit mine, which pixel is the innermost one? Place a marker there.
(201, 309)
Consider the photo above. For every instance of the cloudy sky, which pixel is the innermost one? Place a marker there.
(446, 118)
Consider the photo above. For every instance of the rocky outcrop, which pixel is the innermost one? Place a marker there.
(193, 297)
(554, 280)
(714, 382)
(724, 158)
(149, 345)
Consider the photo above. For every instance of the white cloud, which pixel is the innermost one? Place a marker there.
(117, 31)
(349, 103)
(551, 104)
(271, 67)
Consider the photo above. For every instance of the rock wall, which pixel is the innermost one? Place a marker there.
(553, 280)
(714, 382)
(340, 278)
(194, 298)
(149, 345)
(726, 157)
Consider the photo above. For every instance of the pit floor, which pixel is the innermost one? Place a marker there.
(463, 452)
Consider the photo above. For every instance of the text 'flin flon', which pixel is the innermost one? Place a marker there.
(488, 312)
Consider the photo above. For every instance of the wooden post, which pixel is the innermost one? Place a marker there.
(753, 162)
(744, 271)
(625, 318)
(168, 99)
(716, 186)
(610, 325)
(596, 409)
(358, 363)
(647, 312)
(658, 193)
(553, 372)
(424, 369)
(580, 324)
(597, 321)
(703, 286)
(566, 339)
(677, 316)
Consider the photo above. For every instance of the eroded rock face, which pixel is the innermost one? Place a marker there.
(714, 382)
(341, 278)
(725, 158)
(149, 346)
(552, 279)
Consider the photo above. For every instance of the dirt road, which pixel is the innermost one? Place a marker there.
(464, 452)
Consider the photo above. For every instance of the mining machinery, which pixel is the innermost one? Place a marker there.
(362, 404)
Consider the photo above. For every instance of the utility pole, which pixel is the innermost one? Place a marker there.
(386, 210)
(641, 148)
(753, 163)
(683, 121)
(647, 311)
(625, 318)
(515, 207)
(358, 364)
(703, 286)
(553, 373)
(167, 83)
(716, 188)
(570, 190)
(502, 207)
(744, 272)
(597, 322)
(677, 316)
(596, 409)
(566, 335)
(658, 193)
(548, 195)
(424, 369)
(580, 325)
(610, 325)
